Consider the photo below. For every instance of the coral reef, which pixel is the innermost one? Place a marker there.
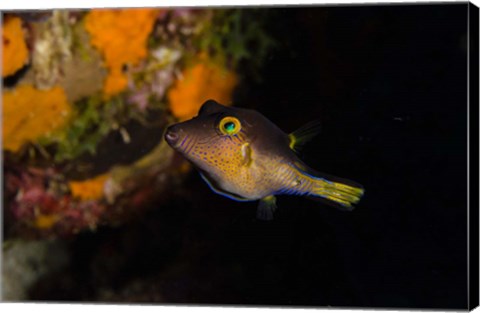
(83, 122)
(121, 37)
(52, 49)
(151, 81)
(206, 79)
(88, 96)
(15, 52)
(91, 189)
(40, 203)
(29, 113)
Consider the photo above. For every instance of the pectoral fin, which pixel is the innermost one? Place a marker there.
(303, 135)
(266, 207)
(246, 154)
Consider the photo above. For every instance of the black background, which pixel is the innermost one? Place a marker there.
(389, 84)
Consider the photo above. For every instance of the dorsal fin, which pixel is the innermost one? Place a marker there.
(303, 135)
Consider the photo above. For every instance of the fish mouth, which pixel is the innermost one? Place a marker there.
(178, 140)
(172, 136)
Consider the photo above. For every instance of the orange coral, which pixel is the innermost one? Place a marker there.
(45, 221)
(91, 189)
(121, 37)
(15, 53)
(205, 80)
(115, 82)
(29, 113)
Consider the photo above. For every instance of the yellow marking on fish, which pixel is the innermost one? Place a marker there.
(246, 154)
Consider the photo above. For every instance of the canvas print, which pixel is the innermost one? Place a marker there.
(301, 156)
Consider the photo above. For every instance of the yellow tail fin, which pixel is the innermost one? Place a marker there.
(338, 192)
(344, 195)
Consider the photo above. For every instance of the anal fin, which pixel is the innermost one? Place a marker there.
(266, 208)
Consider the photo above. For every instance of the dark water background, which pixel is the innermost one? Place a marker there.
(389, 85)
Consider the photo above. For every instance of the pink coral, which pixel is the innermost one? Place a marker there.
(36, 205)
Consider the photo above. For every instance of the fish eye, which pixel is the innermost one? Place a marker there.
(230, 125)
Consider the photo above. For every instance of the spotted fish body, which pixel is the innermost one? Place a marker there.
(244, 156)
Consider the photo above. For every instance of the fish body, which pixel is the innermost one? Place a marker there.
(244, 156)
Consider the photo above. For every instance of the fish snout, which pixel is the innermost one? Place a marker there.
(172, 135)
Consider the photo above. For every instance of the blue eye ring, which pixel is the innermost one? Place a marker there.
(230, 125)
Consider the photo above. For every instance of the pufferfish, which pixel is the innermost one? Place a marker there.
(245, 157)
